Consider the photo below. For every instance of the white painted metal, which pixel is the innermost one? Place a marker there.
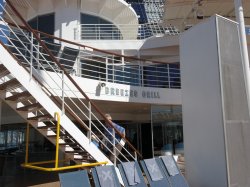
(36, 91)
(89, 86)
(215, 109)
(240, 19)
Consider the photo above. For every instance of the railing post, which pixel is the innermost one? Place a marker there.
(90, 126)
(135, 155)
(75, 33)
(31, 55)
(63, 109)
(57, 138)
(99, 32)
(38, 52)
(106, 61)
(113, 69)
(141, 69)
(27, 144)
(78, 65)
(114, 149)
(168, 76)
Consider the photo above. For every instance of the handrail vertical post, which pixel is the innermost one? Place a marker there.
(75, 33)
(27, 144)
(90, 126)
(38, 52)
(142, 74)
(106, 61)
(113, 68)
(31, 55)
(57, 138)
(78, 65)
(169, 78)
(139, 69)
(63, 109)
(114, 149)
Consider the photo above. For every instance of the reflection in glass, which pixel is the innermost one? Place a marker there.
(167, 130)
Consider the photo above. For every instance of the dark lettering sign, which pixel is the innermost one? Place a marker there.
(131, 93)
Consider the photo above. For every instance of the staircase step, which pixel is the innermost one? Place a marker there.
(9, 84)
(90, 160)
(20, 96)
(68, 143)
(45, 117)
(75, 147)
(4, 73)
(75, 151)
(2, 68)
(33, 106)
(49, 125)
(61, 136)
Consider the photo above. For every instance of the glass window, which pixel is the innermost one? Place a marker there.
(97, 28)
(44, 23)
(93, 69)
(167, 130)
(162, 76)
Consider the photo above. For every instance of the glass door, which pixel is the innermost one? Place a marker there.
(167, 130)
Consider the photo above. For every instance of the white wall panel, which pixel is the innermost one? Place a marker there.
(215, 112)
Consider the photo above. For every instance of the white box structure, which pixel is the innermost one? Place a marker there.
(215, 111)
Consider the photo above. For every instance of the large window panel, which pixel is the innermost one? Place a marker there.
(97, 28)
(167, 130)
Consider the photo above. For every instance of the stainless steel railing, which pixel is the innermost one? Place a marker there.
(99, 65)
(122, 31)
(27, 48)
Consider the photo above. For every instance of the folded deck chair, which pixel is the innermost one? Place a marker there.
(68, 57)
(45, 59)
(105, 176)
(171, 169)
(131, 174)
(154, 173)
(74, 179)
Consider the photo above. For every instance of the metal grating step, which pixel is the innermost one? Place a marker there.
(13, 83)
(68, 143)
(45, 117)
(64, 136)
(35, 106)
(18, 96)
(4, 72)
(49, 125)
(75, 151)
(2, 68)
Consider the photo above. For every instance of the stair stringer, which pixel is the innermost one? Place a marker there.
(31, 85)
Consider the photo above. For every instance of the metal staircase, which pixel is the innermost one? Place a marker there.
(36, 85)
(32, 108)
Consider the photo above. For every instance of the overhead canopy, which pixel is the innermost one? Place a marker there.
(116, 11)
(185, 13)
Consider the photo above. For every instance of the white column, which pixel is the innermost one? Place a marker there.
(243, 42)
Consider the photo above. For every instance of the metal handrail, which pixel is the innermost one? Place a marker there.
(33, 165)
(122, 31)
(125, 70)
(115, 64)
(57, 64)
